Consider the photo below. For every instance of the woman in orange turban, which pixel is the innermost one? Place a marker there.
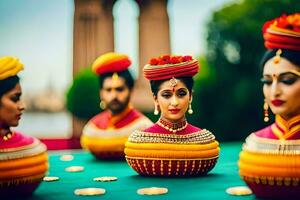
(270, 160)
(23, 159)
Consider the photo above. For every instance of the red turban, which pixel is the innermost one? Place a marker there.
(283, 32)
(166, 67)
(110, 63)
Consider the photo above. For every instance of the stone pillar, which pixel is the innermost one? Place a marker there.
(93, 36)
(154, 40)
(93, 31)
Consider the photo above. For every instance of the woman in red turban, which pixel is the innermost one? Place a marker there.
(172, 146)
(270, 160)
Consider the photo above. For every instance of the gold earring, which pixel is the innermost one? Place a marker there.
(102, 105)
(266, 111)
(156, 110)
(190, 110)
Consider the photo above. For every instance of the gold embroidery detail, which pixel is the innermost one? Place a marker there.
(172, 167)
(271, 146)
(287, 181)
(201, 137)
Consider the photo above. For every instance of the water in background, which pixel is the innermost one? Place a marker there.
(46, 125)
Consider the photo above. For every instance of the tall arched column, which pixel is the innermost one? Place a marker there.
(93, 36)
(93, 31)
(154, 40)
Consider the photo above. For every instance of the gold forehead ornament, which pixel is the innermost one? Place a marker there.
(277, 58)
(115, 78)
(173, 82)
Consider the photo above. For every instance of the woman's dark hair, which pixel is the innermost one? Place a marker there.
(8, 84)
(292, 56)
(124, 74)
(188, 81)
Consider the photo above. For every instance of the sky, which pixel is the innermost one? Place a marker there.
(40, 34)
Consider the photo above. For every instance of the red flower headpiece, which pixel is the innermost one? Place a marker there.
(283, 32)
(167, 59)
(166, 67)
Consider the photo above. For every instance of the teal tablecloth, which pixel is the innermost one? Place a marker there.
(212, 186)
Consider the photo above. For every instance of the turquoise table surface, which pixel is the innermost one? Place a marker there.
(212, 186)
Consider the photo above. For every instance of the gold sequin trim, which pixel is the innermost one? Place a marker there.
(271, 146)
(170, 159)
(201, 137)
(273, 181)
(23, 180)
(171, 167)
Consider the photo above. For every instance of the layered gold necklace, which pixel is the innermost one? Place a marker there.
(172, 127)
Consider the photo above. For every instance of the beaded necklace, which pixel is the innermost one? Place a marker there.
(172, 127)
(7, 135)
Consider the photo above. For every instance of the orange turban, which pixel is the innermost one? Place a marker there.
(166, 67)
(283, 32)
(110, 63)
(9, 66)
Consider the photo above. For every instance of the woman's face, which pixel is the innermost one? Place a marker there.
(173, 102)
(282, 87)
(11, 107)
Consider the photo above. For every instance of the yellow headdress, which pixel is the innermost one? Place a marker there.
(9, 66)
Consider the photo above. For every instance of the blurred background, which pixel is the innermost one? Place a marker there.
(57, 40)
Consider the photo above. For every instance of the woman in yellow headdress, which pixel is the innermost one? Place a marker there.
(172, 146)
(270, 160)
(23, 159)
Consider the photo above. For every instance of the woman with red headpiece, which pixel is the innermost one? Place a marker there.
(23, 159)
(172, 146)
(270, 160)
